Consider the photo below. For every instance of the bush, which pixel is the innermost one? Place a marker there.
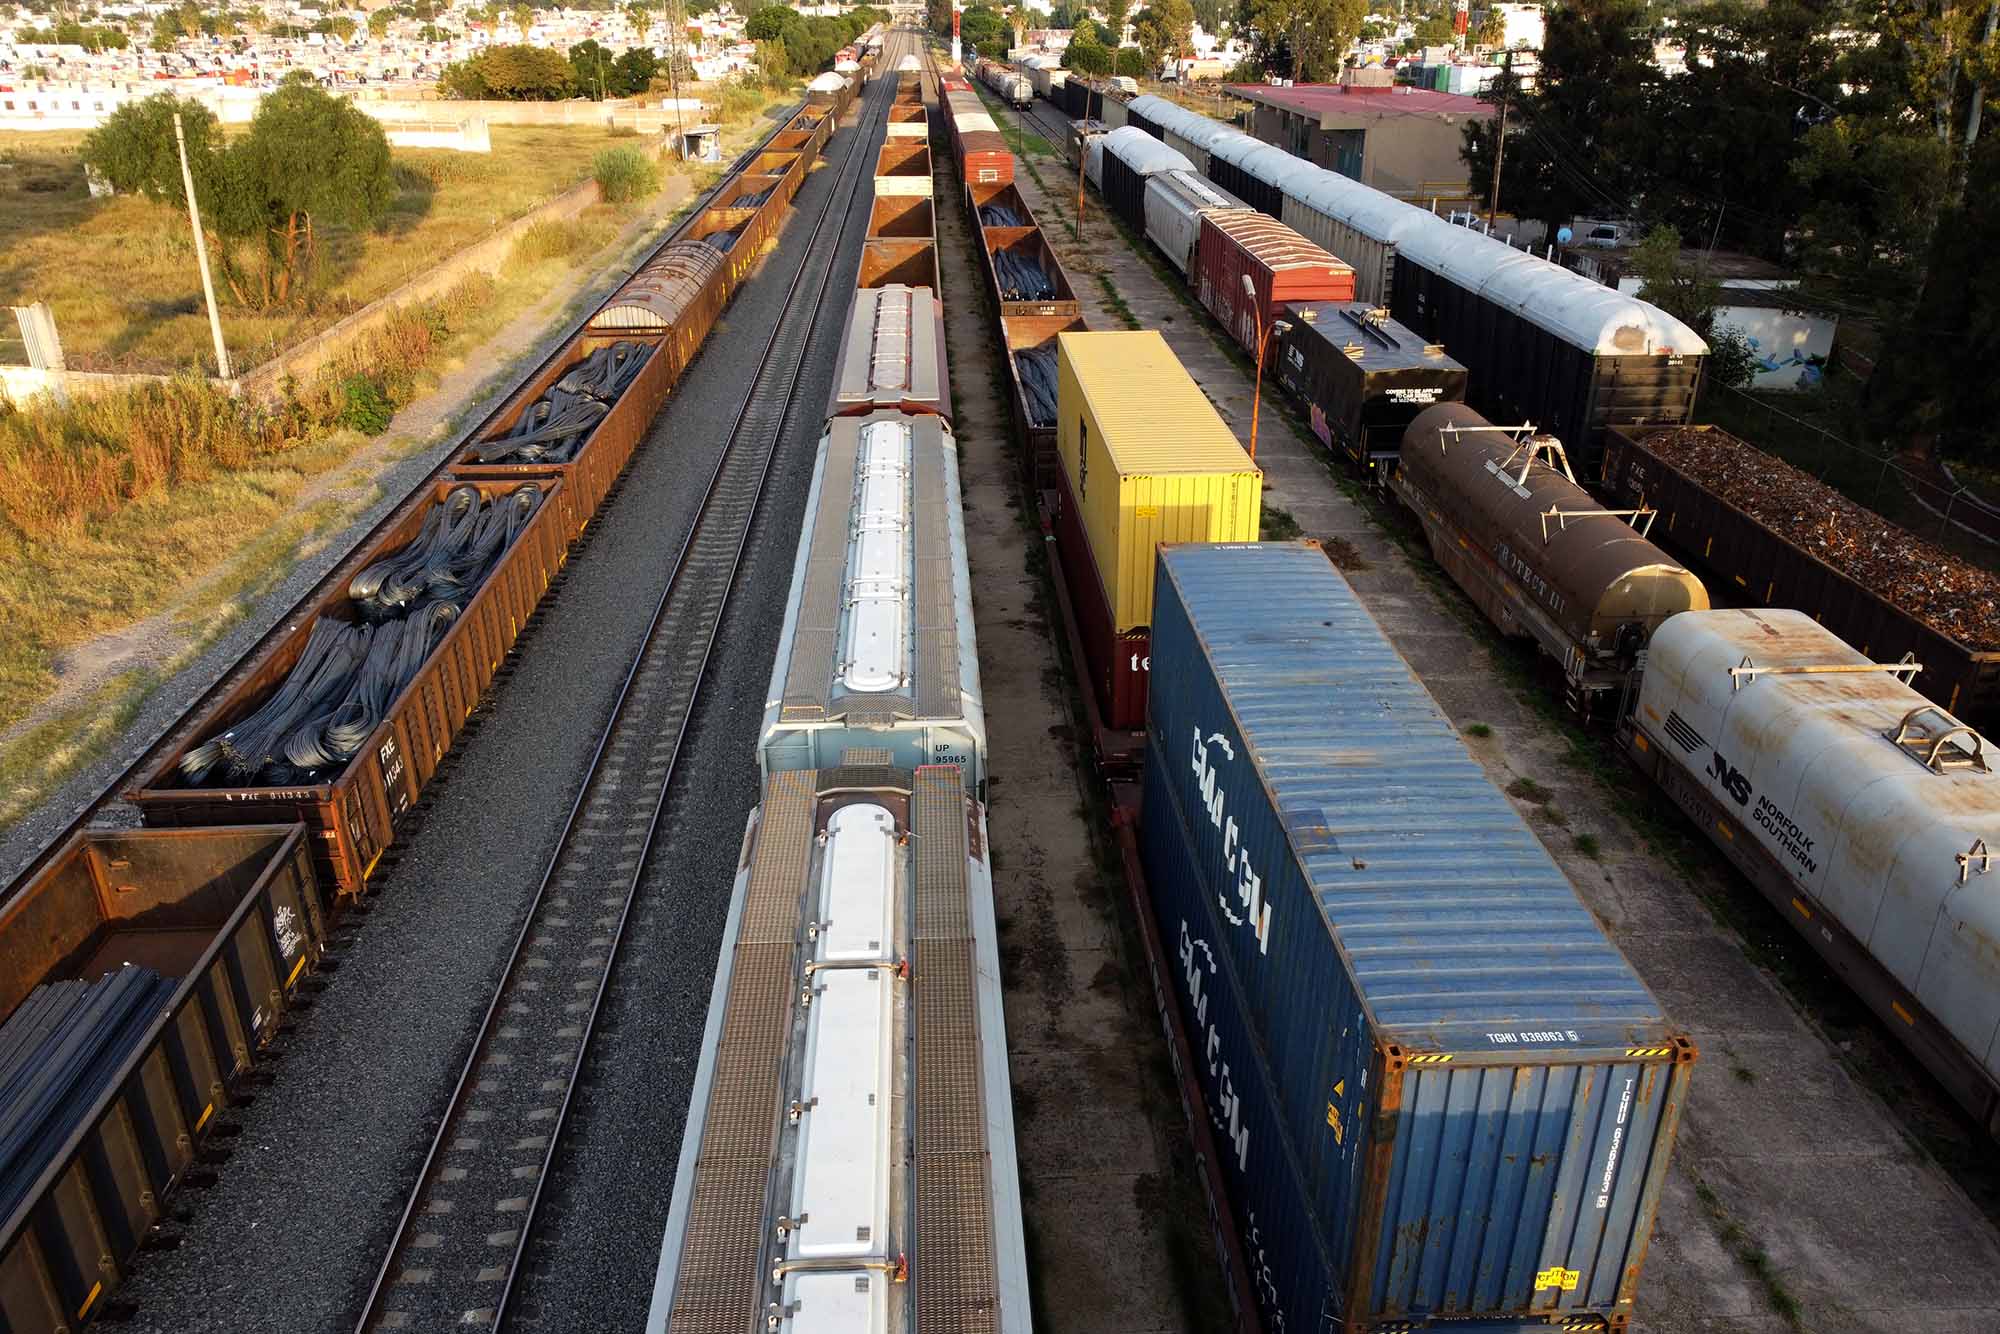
(624, 174)
(544, 240)
(367, 409)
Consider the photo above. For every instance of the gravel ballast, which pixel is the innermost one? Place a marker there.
(291, 1235)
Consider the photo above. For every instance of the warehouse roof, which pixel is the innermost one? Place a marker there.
(1154, 417)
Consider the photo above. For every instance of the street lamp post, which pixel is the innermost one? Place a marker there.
(1264, 331)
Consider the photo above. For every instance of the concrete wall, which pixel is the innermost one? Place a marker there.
(51, 106)
(1413, 157)
(23, 383)
(469, 136)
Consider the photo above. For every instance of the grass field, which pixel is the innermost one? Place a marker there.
(120, 276)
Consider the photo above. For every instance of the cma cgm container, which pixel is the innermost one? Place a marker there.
(1478, 1092)
(1281, 267)
(1145, 459)
(1860, 809)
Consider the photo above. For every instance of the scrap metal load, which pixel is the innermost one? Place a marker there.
(1756, 524)
(1951, 595)
(555, 426)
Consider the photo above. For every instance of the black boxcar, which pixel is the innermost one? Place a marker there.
(1362, 377)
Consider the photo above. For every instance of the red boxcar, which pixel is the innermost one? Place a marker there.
(1117, 666)
(1282, 266)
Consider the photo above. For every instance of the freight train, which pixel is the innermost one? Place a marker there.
(275, 797)
(1542, 344)
(848, 1159)
(1541, 557)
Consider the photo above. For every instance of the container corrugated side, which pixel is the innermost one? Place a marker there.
(1149, 460)
(1443, 1019)
(1292, 1270)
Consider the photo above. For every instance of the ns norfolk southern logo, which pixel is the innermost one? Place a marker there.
(1779, 827)
(1786, 832)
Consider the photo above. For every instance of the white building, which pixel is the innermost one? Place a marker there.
(1523, 28)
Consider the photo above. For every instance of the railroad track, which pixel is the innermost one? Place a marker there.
(458, 1249)
(107, 807)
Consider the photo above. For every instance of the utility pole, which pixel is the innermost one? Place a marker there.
(201, 252)
(1500, 139)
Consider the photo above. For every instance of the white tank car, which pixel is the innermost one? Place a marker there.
(848, 1158)
(1868, 815)
(878, 659)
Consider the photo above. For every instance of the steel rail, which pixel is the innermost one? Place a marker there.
(178, 731)
(702, 578)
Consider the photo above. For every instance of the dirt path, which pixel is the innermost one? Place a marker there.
(1799, 1198)
(1118, 1239)
(329, 503)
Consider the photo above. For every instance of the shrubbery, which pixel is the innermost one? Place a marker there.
(625, 174)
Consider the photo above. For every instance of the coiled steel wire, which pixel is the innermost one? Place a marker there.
(1000, 215)
(350, 673)
(1037, 366)
(555, 426)
(723, 242)
(1022, 278)
(754, 201)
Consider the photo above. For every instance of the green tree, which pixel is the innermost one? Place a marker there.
(1087, 55)
(378, 23)
(308, 160)
(1305, 40)
(1163, 30)
(769, 23)
(1115, 14)
(981, 26)
(590, 68)
(1434, 31)
(633, 72)
(338, 26)
(524, 19)
(134, 150)
(1131, 62)
(1569, 138)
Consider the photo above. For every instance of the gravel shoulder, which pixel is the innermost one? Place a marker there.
(1804, 1192)
(1118, 1241)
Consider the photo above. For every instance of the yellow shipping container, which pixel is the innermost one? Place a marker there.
(1148, 459)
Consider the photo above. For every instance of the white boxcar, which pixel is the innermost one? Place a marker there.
(1175, 201)
(1145, 155)
(1358, 223)
(1866, 814)
(877, 659)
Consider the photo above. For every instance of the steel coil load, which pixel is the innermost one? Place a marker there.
(350, 673)
(1022, 278)
(556, 425)
(1002, 215)
(1037, 367)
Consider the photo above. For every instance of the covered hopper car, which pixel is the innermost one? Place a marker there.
(1540, 557)
(1867, 815)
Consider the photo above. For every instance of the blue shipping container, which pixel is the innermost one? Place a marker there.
(1480, 1092)
(1290, 1268)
